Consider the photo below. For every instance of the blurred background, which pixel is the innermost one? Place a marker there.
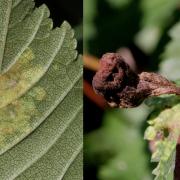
(114, 148)
(69, 10)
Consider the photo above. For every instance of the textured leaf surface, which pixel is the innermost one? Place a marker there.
(40, 95)
(164, 130)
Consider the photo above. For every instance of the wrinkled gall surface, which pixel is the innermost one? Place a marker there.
(122, 87)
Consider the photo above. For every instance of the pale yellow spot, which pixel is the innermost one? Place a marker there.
(15, 119)
(19, 78)
(38, 93)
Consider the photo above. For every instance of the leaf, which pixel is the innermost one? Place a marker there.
(165, 168)
(157, 12)
(163, 101)
(170, 64)
(89, 29)
(156, 17)
(40, 95)
(164, 120)
(118, 3)
(113, 156)
(164, 130)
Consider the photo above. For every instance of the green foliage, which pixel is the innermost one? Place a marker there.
(171, 57)
(157, 15)
(40, 95)
(140, 21)
(118, 3)
(164, 130)
(117, 145)
(142, 27)
(164, 120)
(89, 14)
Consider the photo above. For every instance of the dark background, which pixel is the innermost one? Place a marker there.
(69, 10)
(111, 25)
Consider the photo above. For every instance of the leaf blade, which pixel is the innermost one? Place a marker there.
(5, 9)
(37, 117)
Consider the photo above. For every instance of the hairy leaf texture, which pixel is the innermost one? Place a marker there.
(40, 95)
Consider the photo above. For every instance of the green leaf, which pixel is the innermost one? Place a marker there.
(164, 120)
(171, 57)
(164, 130)
(157, 12)
(89, 29)
(166, 154)
(163, 101)
(156, 17)
(121, 153)
(118, 3)
(40, 95)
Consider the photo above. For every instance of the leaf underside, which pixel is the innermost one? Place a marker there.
(40, 95)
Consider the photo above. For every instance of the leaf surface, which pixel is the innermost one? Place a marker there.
(163, 131)
(40, 95)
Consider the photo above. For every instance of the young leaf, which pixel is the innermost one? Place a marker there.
(164, 130)
(40, 95)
